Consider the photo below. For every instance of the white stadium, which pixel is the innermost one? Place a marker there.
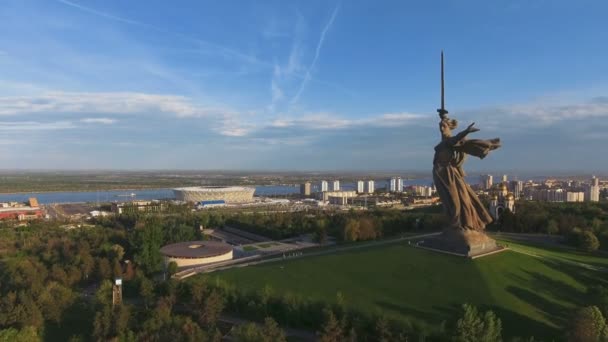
(229, 194)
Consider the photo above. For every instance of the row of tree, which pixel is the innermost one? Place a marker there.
(344, 226)
(584, 225)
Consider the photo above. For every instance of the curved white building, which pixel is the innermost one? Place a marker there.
(229, 194)
(195, 253)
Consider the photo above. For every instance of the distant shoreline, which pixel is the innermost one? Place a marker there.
(126, 189)
(100, 190)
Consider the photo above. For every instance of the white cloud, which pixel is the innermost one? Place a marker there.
(538, 113)
(323, 121)
(223, 121)
(105, 121)
(35, 126)
(108, 102)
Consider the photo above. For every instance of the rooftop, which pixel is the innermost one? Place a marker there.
(196, 249)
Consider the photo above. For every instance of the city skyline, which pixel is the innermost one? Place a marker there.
(299, 86)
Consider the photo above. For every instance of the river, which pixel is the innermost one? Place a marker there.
(153, 194)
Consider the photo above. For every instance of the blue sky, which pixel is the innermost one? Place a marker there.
(299, 85)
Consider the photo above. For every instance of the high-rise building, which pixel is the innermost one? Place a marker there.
(370, 186)
(305, 189)
(575, 196)
(593, 192)
(399, 184)
(324, 186)
(487, 182)
(517, 187)
(360, 187)
(423, 190)
(392, 184)
(336, 185)
(504, 178)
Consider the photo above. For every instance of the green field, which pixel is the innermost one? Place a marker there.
(532, 295)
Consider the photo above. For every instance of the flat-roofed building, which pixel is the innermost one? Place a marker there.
(360, 187)
(305, 189)
(392, 184)
(399, 184)
(336, 185)
(21, 211)
(575, 196)
(137, 206)
(324, 186)
(324, 196)
(370, 187)
(593, 192)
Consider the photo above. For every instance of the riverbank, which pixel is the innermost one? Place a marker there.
(79, 190)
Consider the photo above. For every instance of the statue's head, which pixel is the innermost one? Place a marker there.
(446, 126)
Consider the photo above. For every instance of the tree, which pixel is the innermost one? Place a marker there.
(367, 229)
(54, 300)
(474, 327)
(332, 329)
(104, 269)
(588, 241)
(102, 324)
(598, 295)
(118, 252)
(172, 268)
(211, 309)
(251, 332)
(26, 334)
(272, 332)
(552, 227)
(508, 221)
(351, 230)
(588, 325)
(117, 269)
(179, 233)
(146, 290)
(147, 239)
(383, 332)
(320, 230)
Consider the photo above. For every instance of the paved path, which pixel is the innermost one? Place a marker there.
(304, 254)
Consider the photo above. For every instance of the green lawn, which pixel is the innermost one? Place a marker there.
(569, 255)
(533, 296)
(250, 248)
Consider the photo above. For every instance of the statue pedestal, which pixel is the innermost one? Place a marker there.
(468, 243)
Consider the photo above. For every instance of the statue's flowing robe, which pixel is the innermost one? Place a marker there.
(460, 201)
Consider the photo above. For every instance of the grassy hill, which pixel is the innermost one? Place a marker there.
(532, 295)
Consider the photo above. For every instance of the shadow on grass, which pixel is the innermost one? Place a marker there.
(514, 324)
(555, 313)
(538, 288)
(580, 274)
(565, 252)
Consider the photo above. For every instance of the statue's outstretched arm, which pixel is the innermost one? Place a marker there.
(463, 134)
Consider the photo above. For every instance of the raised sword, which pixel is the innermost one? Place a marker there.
(442, 111)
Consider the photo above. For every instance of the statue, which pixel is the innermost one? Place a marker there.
(468, 216)
(460, 201)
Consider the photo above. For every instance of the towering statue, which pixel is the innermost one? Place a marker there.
(468, 216)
